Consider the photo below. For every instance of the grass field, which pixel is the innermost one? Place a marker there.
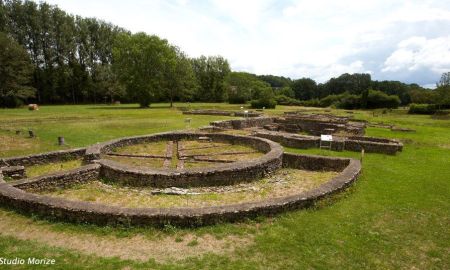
(397, 215)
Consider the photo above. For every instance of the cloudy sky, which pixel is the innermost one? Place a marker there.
(393, 40)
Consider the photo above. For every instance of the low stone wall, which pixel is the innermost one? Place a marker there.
(224, 174)
(209, 112)
(61, 179)
(371, 139)
(44, 157)
(316, 126)
(354, 143)
(243, 123)
(389, 148)
(249, 114)
(223, 113)
(294, 123)
(87, 212)
(289, 139)
(13, 171)
(314, 163)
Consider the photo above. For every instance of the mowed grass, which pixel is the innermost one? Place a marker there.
(37, 170)
(83, 125)
(397, 216)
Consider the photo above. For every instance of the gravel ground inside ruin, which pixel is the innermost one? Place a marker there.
(281, 183)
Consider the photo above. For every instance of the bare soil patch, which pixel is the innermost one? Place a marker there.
(137, 247)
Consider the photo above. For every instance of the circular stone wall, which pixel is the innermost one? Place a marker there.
(19, 195)
(14, 195)
(223, 174)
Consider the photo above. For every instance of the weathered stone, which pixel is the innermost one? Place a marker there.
(100, 214)
(353, 143)
(15, 172)
(222, 174)
(45, 157)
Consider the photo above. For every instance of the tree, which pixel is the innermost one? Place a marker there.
(264, 100)
(305, 89)
(353, 83)
(108, 83)
(443, 91)
(422, 96)
(243, 86)
(276, 81)
(180, 78)
(285, 91)
(140, 61)
(211, 73)
(15, 73)
(445, 80)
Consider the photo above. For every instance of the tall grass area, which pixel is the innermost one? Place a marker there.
(396, 216)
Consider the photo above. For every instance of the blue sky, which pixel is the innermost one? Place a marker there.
(392, 40)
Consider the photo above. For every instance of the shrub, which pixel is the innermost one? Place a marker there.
(349, 102)
(378, 99)
(265, 99)
(310, 103)
(260, 103)
(11, 102)
(285, 100)
(237, 100)
(329, 100)
(422, 109)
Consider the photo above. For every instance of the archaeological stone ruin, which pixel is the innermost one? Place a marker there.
(188, 163)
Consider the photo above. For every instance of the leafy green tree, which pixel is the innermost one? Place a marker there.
(140, 62)
(2, 17)
(243, 86)
(15, 73)
(276, 81)
(108, 83)
(445, 79)
(304, 89)
(443, 91)
(285, 91)
(395, 88)
(266, 99)
(353, 83)
(211, 73)
(422, 96)
(180, 80)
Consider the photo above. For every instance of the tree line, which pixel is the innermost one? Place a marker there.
(50, 57)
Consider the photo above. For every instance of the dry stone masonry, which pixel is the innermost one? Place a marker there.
(18, 194)
(347, 133)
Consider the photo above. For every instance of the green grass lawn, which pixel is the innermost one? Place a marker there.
(397, 215)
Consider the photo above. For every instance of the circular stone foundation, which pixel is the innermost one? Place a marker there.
(227, 172)
(33, 195)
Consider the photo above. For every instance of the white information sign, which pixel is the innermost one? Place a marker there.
(326, 138)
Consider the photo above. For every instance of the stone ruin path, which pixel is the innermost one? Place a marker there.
(169, 153)
(179, 156)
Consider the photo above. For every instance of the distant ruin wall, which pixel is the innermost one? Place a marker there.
(243, 123)
(317, 127)
(354, 143)
(223, 113)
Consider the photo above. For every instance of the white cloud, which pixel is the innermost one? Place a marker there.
(315, 39)
(419, 52)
